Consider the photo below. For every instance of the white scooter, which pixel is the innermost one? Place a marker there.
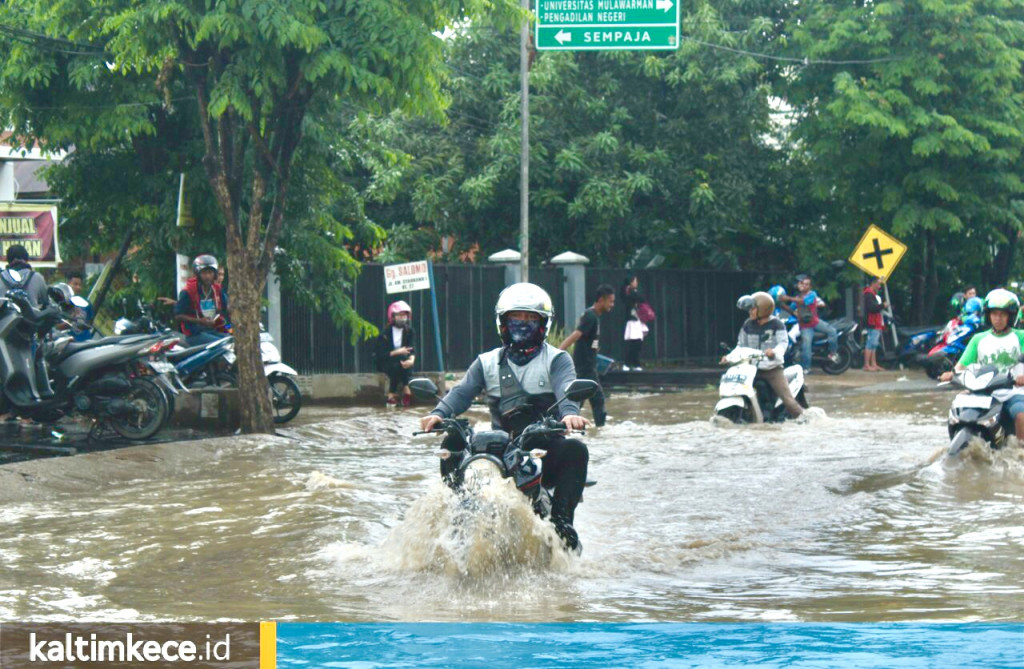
(285, 395)
(745, 399)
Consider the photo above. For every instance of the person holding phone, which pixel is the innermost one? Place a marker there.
(202, 307)
(396, 353)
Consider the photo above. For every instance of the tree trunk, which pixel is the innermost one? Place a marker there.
(917, 290)
(931, 273)
(1002, 264)
(245, 302)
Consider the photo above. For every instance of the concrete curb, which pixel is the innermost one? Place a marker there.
(88, 472)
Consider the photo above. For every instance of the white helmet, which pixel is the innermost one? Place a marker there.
(524, 297)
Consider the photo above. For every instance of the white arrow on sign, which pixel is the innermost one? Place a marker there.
(664, 5)
(562, 37)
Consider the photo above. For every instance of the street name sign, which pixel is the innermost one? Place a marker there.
(878, 252)
(580, 25)
(407, 277)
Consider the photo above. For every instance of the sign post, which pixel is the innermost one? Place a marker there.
(878, 253)
(599, 25)
(413, 276)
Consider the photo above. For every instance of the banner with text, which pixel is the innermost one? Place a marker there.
(34, 226)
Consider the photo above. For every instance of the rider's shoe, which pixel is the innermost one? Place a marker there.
(625, 368)
(833, 357)
(407, 400)
(392, 403)
(567, 533)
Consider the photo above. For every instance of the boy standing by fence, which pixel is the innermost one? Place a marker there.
(586, 336)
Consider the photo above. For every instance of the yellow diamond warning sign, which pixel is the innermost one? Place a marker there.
(878, 253)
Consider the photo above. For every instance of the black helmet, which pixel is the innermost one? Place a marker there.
(205, 261)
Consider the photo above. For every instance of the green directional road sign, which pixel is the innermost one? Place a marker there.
(607, 24)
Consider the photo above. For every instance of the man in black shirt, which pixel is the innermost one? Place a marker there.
(586, 336)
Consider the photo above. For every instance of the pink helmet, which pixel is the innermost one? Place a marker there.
(397, 308)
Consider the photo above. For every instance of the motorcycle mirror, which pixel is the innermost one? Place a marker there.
(15, 274)
(581, 389)
(79, 301)
(423, 389)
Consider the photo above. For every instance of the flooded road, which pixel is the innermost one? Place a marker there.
(851, 517)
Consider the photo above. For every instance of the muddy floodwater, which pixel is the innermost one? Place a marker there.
(853, 516)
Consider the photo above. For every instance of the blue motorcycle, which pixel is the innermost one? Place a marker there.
(952, 342)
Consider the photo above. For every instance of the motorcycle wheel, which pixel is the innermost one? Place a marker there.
(285, 397)
(152, 407)
(840, 366)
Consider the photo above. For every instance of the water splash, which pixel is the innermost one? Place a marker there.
(490, 531)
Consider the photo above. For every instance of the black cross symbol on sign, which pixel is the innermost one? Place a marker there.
(877, 254)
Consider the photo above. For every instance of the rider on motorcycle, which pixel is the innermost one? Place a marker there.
(763, 331)
(1002, 346)
(807, 304)
(521, 379)
(202, 307)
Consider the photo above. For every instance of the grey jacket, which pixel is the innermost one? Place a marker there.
(771, 335)
(36, 288)
(547, 374)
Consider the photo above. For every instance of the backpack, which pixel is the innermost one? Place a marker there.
(11, 284)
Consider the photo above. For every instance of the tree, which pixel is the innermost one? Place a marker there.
(917, 123)
(666, 152)
(258, 74)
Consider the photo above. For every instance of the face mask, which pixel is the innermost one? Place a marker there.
(401, 321)
(523, 331)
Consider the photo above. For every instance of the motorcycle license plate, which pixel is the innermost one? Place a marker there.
(974, 402)
(161, 367)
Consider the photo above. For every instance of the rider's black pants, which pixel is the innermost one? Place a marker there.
(565, 468)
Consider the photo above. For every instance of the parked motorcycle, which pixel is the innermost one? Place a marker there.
(46, 381)
(952, 343)
(847, 351)
(747, 399)
(494, 454)
(285, 395)
(975, 412)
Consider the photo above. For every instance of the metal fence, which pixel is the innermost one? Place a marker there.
(695, 310)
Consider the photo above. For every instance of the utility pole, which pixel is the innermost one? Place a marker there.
(524, 170)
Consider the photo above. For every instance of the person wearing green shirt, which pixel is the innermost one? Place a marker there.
(1002, 346)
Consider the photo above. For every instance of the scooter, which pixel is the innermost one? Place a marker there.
(285, 395)
(494, 454)
(951, 345)
(46, 381)
(975, 412)
(747, 399)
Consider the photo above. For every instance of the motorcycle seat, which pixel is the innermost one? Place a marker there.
(175, 356)
(79, 346)
(907, 332)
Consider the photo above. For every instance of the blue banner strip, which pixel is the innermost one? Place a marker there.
(363, 645)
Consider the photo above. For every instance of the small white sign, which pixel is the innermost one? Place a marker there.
(407, 277)
(182, 272)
